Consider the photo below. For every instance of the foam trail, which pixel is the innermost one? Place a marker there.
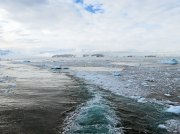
(94, 117)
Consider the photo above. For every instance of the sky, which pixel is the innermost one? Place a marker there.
(105, 25)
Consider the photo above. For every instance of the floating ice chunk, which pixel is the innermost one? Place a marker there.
(150, 80)
(139, 99)
(172, 62)
(27, 61)
(173, 126)
(56, 67)
(162, 126)
(59, 67)
(142, 100)
(144, 84)
(130, 81)
(117, 74)
(167, 94)
(174, 109)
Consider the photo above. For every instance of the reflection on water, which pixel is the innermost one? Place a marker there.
(39, 102)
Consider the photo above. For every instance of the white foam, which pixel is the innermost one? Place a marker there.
(71, 122)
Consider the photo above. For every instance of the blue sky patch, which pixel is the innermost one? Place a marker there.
(94, 9)
(79, 1)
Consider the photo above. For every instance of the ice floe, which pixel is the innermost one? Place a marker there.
(162, 126)
(117, 74)
(142, 100)
(167, 94)
(173, 109)
(107, 81)
(172, 126)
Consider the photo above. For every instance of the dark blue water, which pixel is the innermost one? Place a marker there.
(106, 113)
(94, 117)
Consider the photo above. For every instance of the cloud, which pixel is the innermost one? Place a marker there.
(23, 3)
(143, 25)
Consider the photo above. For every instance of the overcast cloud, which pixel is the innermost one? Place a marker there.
(143, 25)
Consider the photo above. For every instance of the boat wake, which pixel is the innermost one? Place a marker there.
(95, 116)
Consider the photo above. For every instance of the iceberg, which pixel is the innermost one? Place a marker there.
(174, 109)
(171, 62)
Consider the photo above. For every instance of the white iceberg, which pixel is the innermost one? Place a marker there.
(172, 62)
(173, 109)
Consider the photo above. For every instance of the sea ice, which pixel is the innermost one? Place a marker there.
(142, 100)
(162, 126)
(174, 109)
(167, 94)
(117, 74)
(172, 126)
